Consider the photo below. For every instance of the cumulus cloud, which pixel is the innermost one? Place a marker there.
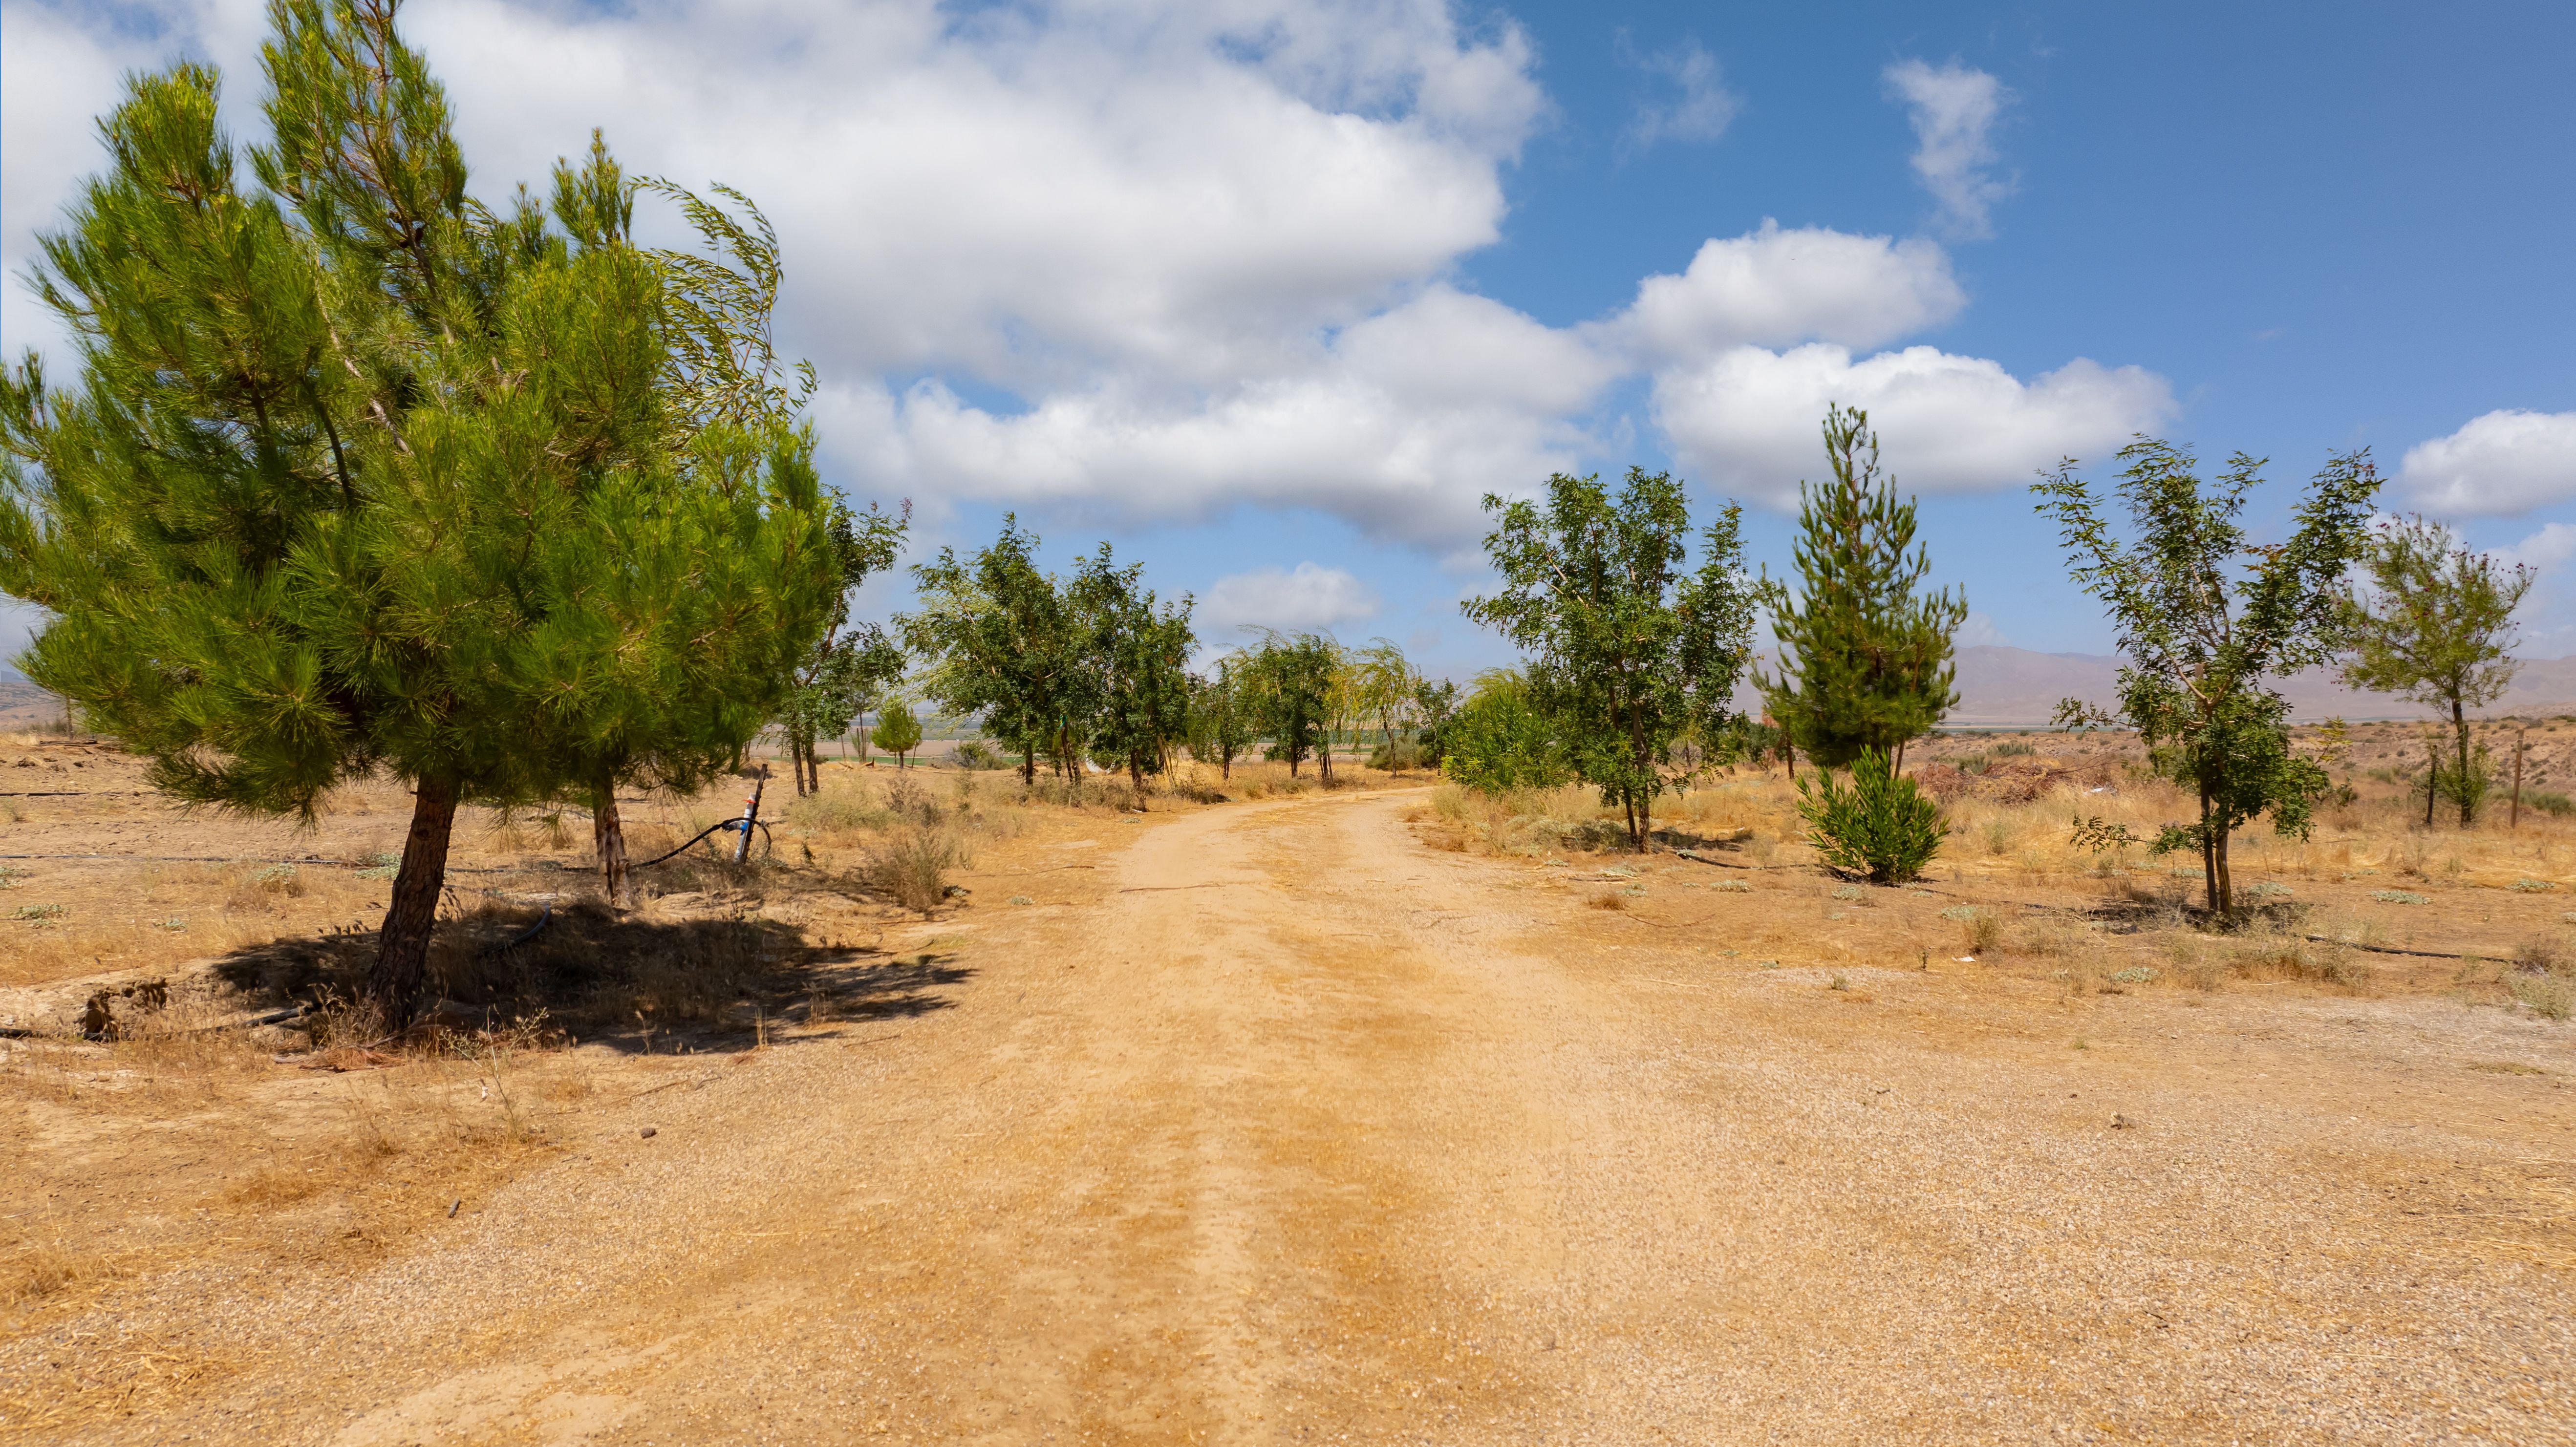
(1157, 260)
(1979, 631)
(1953, 109)
(1308, 596)
(1746, 420)
(1701, 110)
(1776, 288)
(2503, 462)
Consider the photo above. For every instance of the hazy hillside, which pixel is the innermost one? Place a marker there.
(2017, 686)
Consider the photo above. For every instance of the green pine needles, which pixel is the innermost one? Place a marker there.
(1880, 827)
(1865, 660)
(359, 477)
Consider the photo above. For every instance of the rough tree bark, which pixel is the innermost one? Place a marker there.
(608, 834)
(402, 949)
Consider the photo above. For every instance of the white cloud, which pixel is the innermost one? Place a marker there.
(2503, 462)
(1703, 109)
(2548, 614)
(1776, 288)
(1310, 596)
(1979, 631)
(1746, 420)
(1153, 259)
(2544, 550)
(1954, 109)
(1033, 196)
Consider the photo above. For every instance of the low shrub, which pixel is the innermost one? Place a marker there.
(1979, 930)
(911, 868)
(2551, 997)
(2555, 805)
(1880, 826)
(979, 755)
(1396, 756)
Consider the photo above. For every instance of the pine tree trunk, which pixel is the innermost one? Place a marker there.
(402, 946)
(608, 835)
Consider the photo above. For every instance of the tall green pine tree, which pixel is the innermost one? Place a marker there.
(1865, 661)
(360, 476)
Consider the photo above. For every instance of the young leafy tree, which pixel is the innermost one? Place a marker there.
(1628, 651)
(849, 666)
(898, 732)
(1435, 702)
(1002, 640)
(1221, 722)
(1140, 651)
(1385, 680)
(344, 451)
(2436, 626)
(2205, 619)
(1864, 658)
(1289, 681)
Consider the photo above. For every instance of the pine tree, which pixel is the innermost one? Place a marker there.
(355, 468)
(1864, 660)
(898, 732)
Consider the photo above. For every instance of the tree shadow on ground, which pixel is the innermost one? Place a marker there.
(623, 980)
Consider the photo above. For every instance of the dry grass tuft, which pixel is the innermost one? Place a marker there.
(911, 868)
(34, 1273)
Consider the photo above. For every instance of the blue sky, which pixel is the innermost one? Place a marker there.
(1268, 292)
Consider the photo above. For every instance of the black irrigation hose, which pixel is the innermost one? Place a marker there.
(767, 844)
(525, 935)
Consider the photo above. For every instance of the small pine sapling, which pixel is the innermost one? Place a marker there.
(1881, 826)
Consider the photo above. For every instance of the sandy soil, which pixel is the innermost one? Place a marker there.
(1285, 1127)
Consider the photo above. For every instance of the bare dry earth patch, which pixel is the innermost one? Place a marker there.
(1283, 1124)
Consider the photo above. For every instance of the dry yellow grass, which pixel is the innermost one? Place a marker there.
(1362, 1044)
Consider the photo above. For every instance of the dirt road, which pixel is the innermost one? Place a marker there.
(1298, 1131)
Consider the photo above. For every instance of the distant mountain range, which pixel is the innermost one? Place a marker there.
(1999, 686)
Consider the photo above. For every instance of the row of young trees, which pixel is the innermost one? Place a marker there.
(1630, 656)
(1096, 667)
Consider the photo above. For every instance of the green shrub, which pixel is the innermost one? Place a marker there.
(2399, 896)
(1880, 826)
(2011, 747)
(2556, 806)
(1499, 742)
(1399, 754)
(977, 754)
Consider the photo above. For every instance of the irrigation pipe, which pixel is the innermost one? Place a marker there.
(768, 844)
